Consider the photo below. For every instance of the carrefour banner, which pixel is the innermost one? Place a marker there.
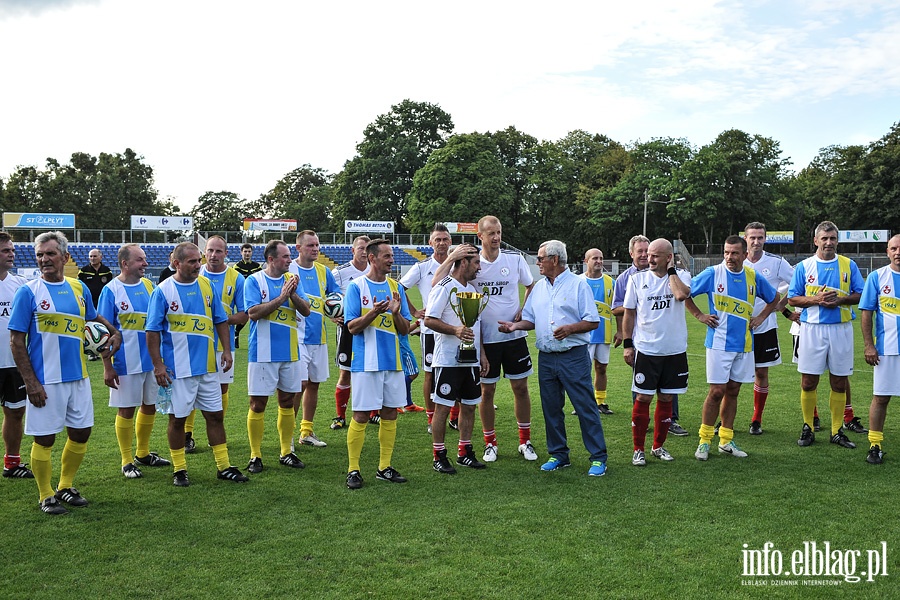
(864, 235)
(368, 226)
(270, 224)
(38, 220)
(161, 223)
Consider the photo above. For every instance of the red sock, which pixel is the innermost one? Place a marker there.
(462, 447)
(490, 437)
(524, 432)
(848, 413)
(454, 412)
(816, 412)
(661, 419)
(341, 399)
(11, 461)
(374, 413)
(759, 401)
(437, 448)
(430, 415)
(640, 419)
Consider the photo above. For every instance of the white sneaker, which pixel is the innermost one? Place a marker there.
(312, 440)
(732, 449)
(638, 459)
(527, 450)
(661, 453)
(490, 453)
(702, 452)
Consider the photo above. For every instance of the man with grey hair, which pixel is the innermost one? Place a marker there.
(826, 286)
(562, 312)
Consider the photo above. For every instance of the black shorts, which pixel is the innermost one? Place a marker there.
(12, 387)
(765, 348)
(453, 384)
(512, 355)
(427, 351)
(663, 374)
(344, 347)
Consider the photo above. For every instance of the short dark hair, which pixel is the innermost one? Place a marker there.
(736, 239)
(246, 245)
(440, 227)
(271, 250)
(305, 232)
(180, 250)
(5, 237)
(372, 247)
(755, 225)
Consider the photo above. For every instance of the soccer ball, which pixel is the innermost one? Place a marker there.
(96, 336)
(334, 306)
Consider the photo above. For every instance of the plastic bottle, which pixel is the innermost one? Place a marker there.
(164, 396)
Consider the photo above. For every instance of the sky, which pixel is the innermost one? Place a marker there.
(223, 95)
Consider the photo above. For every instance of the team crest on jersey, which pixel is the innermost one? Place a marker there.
(174, 306)
(365, 300)
(750, 290)
(766, 272)
(811, 279)
(45, 305)
(264, 294)
(720, 288)
(81, 301)
(504, 271)
(886, 290)
(123, 305)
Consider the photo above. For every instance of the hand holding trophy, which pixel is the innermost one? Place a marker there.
(468, 306)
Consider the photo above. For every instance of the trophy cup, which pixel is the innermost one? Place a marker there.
(468, 306)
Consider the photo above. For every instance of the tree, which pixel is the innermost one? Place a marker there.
(514, 149)
(303, 194)
(219, 211)
(462, 182)
(376, 183)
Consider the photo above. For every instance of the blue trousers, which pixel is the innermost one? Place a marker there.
(569, 373)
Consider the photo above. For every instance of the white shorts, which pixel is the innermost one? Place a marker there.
(886, 382)
(134, 390)
(599, 352)
(826, 347)
(200, 391)
(722, 367)
(314, 361)
(374, 390)
(228, 376)
(69, 404)
(264, 378)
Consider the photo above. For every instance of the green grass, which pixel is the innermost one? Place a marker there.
(666, 530)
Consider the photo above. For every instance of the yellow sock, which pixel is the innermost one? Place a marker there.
(72, 456)
(725, 435)
(808, 406)
(356, 435)
(285, 429)
(124, 435)
(836, 402)
(306, 428)
(600, 396)
(42, 469)
(224, 402)
(706, 433)
(189, 422)
(178, 461)
(386, 437)
(220, 453)
(876, 437)
(143, 427)
(255, 426)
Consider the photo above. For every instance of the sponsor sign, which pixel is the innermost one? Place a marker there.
(462, 227)
(270, 225)
(158, 223)
(38, 220)
(368, 226)
(864, 235)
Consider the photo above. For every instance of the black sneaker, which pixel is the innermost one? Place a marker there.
(842, 440)
(255, 465)
(291, 460)
(152, 460)
(442, 465)
(51, 506)
(676, 429)
(354, 480)
(454, 424)
(180, 479)
(20, 471)
(131, 472)
(232, 474)
(390, 474)
(374, 420)
(604, 409)
(338, 423)
(875, 455)
(855, 426)
(469, 459)
(817, 425)
(71, 497)
(716, 430)
(190, 446)
(755, 428)
(807, 437)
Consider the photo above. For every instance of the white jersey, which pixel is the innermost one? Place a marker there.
(420, 275)
(445, 345)
(502, 278)
(8, 287)
(659, 325)
(778, 273)
(346, 273)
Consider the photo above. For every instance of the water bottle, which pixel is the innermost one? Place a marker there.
(164, 396)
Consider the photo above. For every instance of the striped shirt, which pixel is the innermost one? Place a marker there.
(125, 306)
(839, 274)
(880, 296)
(272, 338)
(377, 347)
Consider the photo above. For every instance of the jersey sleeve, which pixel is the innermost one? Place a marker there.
(352, 302)
(798, 282)
(411, 277)
(856, 280)
(22, 312)
(331, 285)
(90, 312)
(869, 298)
(251, 294)
(239, 288)
(629, 300)
(437, 301)
(156, 311)
(765, 290)
(619, 291)
(404, 305)
(702, 283)
(525, 276)
(587, 306)
(218, 311)
(106, 305)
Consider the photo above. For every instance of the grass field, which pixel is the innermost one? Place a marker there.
(666, 530)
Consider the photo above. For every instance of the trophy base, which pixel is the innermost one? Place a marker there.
(466, 355)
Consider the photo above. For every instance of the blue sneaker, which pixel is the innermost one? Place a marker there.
(554, 464)
(598, 469)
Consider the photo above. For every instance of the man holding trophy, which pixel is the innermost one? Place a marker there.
(454, 306)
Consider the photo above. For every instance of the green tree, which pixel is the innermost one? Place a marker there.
(304, 194)
(515, 149)
(219, 211)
